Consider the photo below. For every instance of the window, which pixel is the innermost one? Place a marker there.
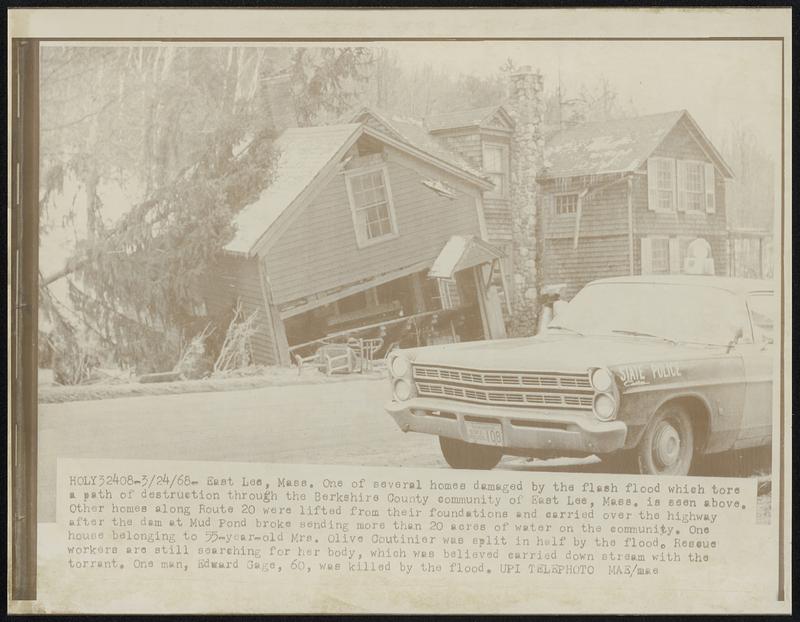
(495, 166)
(659, 255)
(694, 186)
(665, 255)
(666, 183)
(762, 317)
(661, 184)
(449, 296)
(566, 204)
(371, 203)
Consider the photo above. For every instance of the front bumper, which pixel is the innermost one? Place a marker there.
(546, 431)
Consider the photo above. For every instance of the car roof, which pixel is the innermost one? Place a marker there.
(731, 284)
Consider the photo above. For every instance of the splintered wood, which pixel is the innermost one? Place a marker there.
(237, 351)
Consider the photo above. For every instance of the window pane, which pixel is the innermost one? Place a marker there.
(371, 205)
(694, 201)
(665, 181)
(694, 177)
(493, 159)
(762, 316)
(374, 230)
(665, 199)
(566, 204)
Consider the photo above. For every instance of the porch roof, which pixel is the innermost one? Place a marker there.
(462, 252)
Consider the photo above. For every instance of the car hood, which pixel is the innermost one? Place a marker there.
(561, 353)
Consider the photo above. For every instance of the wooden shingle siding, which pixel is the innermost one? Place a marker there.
(596, 257)
(318, 251)
(680, 144)
(497, 214)
(235, 277)
(646, 221)
(604, 212)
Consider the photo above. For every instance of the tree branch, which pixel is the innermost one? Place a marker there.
(82, 119)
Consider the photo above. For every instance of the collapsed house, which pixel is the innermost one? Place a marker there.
(361, 231)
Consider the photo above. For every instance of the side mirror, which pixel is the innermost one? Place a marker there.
(736, 338)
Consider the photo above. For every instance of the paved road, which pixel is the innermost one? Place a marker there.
(338, 423)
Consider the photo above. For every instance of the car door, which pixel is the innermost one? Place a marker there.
(758, 355)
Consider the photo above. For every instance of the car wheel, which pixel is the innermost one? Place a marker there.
(667, 447)
(461, 455)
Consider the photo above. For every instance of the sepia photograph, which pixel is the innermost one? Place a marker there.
(522, 267)
(544, 260)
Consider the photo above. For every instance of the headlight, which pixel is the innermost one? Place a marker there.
(400, 366)
(402, 390)
(604, 407)
(602, 379)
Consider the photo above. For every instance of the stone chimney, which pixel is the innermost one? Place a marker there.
(279, 101)
(526, 107)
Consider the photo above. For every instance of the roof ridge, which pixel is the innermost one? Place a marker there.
(628, 119)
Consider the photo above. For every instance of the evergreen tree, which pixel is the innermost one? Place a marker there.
(183, 135)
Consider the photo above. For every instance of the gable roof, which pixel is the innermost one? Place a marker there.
(302, 155)
(461, 252)
(475, 117)
(306, 155)
(618, 146)
(413, 132)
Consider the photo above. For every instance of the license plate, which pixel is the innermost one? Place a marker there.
(484, 433)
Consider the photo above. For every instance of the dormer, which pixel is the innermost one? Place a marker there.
(483, 137)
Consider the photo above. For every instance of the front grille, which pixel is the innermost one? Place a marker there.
(552, 390)
(504, 379)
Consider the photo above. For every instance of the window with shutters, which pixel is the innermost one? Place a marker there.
(371, 205)
(666, 184)
(694, 186)
(661, 184)
(566, 204)
(495, 167)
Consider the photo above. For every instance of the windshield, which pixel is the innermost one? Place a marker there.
(683, 313)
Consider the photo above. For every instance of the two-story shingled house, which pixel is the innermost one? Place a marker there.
(628, 197)
(617, 197)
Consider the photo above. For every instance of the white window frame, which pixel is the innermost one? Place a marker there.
(565, 194)
(659, 238)
(362, 238)
(449, 294)
(653, 196)
(702, 192)
(502, 193)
